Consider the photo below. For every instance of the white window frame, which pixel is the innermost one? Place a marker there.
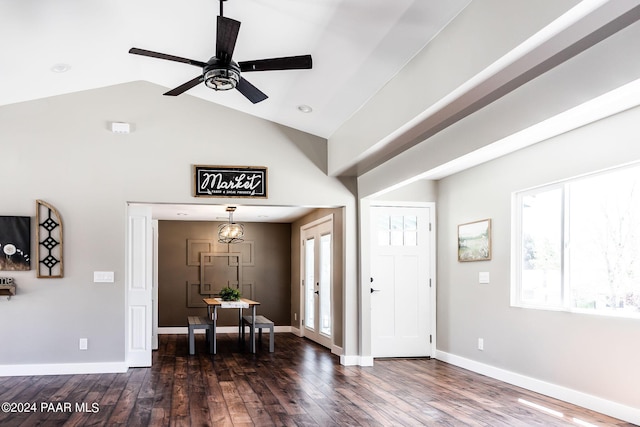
(517, 247)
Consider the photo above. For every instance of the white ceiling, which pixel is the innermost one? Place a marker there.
(357, 47)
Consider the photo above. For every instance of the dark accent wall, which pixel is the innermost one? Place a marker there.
(270, 272)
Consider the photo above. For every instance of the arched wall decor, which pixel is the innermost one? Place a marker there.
(49, 238)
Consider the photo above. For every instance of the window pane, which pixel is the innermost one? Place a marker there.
(383, 230)
(397, 227)
(309, 283)
(410, 230)
(541, 282)
(410, 222)
(410, 238)
(604, 243)
(325, 284)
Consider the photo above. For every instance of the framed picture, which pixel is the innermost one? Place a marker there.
(474, 241)
(15, 243)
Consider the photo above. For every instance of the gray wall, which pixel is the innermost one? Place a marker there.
(593, 354)
(60, 150)
(269, 272)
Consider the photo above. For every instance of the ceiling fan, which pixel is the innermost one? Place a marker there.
(221, 72)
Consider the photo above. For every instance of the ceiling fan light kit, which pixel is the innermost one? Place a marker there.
(223, 78)
(220, 72)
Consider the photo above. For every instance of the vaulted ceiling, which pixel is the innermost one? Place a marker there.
(356, 45)
(400, 89)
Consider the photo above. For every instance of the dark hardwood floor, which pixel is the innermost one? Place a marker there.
(301, 384)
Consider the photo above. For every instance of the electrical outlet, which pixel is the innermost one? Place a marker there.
(480, 344)
(83, 344)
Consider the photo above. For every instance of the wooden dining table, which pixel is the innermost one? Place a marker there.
(213, 304)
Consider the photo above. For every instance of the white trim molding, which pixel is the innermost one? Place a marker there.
(356, 360)
(575, 397)
(63, 369)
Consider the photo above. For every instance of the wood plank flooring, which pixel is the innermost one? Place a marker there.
(301, 384)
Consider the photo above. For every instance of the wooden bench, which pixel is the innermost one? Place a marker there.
(260, 323)
(197, 322)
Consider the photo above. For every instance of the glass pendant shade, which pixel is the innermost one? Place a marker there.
(230, 232)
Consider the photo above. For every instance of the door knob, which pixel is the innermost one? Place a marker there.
(374, 290)
(317, 292)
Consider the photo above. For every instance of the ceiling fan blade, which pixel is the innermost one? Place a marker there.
(152, 54)
(226, 37)
(251, 92)
(185, 87)
(300, 62)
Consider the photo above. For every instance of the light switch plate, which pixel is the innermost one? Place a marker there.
(103, 277)
(483, 277)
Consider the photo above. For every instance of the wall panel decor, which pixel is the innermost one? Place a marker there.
(48, 241)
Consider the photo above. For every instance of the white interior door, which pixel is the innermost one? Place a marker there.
(139, 281)
(317, 271)
(400, 272)
(154, 292)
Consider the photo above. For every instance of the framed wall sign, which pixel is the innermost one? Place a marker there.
(230, 181)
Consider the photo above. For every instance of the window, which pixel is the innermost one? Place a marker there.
(577, 244)
(398, 230)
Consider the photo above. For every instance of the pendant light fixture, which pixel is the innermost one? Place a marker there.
(231, 232)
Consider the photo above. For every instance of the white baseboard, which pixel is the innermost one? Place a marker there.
(63, 369)
(356, 360)
(575, 397)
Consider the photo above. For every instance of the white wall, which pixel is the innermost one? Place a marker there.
(60, 150)
(594, 355)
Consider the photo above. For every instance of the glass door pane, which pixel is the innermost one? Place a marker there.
(325, 284)
(309, 283)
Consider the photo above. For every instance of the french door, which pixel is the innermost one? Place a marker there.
(317, 268)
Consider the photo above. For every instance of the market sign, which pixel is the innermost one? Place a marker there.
(230, 181)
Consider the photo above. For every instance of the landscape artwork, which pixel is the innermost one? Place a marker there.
(474, 241)
(15, 243)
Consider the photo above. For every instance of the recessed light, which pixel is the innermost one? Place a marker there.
(305, 108)
(61, 68)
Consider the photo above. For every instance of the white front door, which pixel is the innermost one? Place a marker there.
(400, 274)
(139, 286)
(317, 271)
